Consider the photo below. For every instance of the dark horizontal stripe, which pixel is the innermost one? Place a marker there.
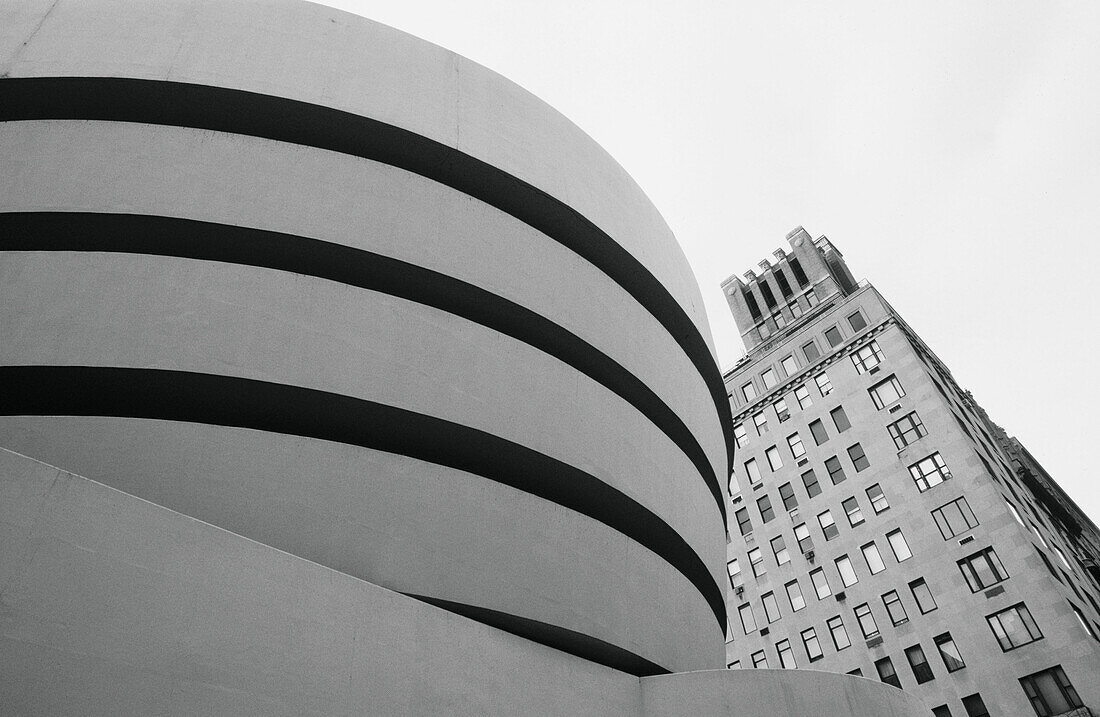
(294, 410)
(575, 643)
(249, 113)
(170, 236)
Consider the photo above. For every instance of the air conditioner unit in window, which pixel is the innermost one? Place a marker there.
(841, 597)
(764, 631)
(809, 555)
(739, 589)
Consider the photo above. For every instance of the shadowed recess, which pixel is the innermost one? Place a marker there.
(249, 113)
(293, 410)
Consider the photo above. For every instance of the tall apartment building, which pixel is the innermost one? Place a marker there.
(881, 524)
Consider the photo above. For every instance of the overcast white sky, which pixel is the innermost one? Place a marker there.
(950, 150)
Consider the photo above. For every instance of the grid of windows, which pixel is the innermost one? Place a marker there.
(809, 479)
(812, 645)
(781, 410)
(886, 392)
(840, 419)
(1050, 692)
(794, 596)
(824, 385)
(922, 671)
(877, 498)
(828, 525)
(859, 458)
(852, 510)
(838, 632)
(821, 583)
(926, 603)
(761, 423)
(867, 357)
(817, 430)
(846, 570)
(774, 461)
(794, 442)
(836, 471)
(886, 672)
(929, 472)
(954, 518)
(779, 550)
(949, 652)
(1014, 627)
(906, 430)
(894, 608)
(786, 655)
(740, 436)
(786, 493)
(802, 395)
(866, 620)
(764, 505)
(982, 569)
(874, 560)
(898, 545)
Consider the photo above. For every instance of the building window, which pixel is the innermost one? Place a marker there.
(786, 492)
(954, 518)
(810, 642)
(906, 429)
(919, 664)
(809, 479)
(749, 392)
(847, 572)
(736, 665)
(771, 607)
(769, 378)
(929, 472)
(803, 395)
(1051, 692)
(828, 525)
(1014, 627)
(838, 633)
(877, 498)
(764, 505)
(759, 660)
(811, 352)
(756, 560)
(739, 435)
(857, 322)
(795, 308)
(802, 534)
(894, 608)
(817, 429)
(786, 655)
(761, 423)
(790, 366)
(836, 471)
(982, 569)
(824, 385)
(867, 358)
(779, 550)
(794, 596)
(886, 392)
(949, 652)
(748, 621)
(794, 442)
(857, 672)
(832, 335)
(752, 470)
(941, 711)
(886, 672)
(852, 510)
(733, 567)
(743, 522)
(840, 419)
(821, 583)
(866, 621)
(874, 560)
(974, 706)
(859, 458)
(898, 545)
(781, 410)
(774, 461)
(926, 603)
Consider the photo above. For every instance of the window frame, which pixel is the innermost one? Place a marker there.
(836, 627)
(743, 513)
(797, 441)
(788, 497)
(839, 411)
(827, 525)
(862, 319)
(938, 467)
(764, 600)
(922, 671)
(943, 517)
(858, 457)
(922, 583)
(764, 507)
(824, 387)
(947, 659)
(877, 396)
(782, 411)
(805, 542)
(775, 461)
(746, 609)
(894, 546)
(765, 375)
(872, 549)
(824, 583)
(809, 635)
(783, 554)
(892, 677)
(873, 499)
(783, 647)
(868, 613)
(787, 369)
(986, 557)
(814, 350)
(804, 401)
(829, 339)
(740, 435)
(901, 436)
(852, 511)
(797, 593)
(867, 357)
(889, 604)
(1020, 611)
(812, 489)
(829, 464)
(845, 569)
(750, 394)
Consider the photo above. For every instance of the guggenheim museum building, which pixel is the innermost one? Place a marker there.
(340, 375)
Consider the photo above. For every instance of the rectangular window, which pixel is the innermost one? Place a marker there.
(949, 652)
(1051, 692)
(739, 435)
(982, 569)
(836, 471)
(923, 595)
(779, 550)
(794, 595)
(919, 664)
(794, 442)
(817, 429)
(759, 660)
(866, 621)
(748, 621)
(786, 655)
(886, 392)
(846, 570)
(838, 633)
(824, 385)
(941, 711)
(852, 510)
(828, 525)
(954, 518)
(774, 460)
(786, 492)
(802, 534)
(761, 423)
(764, 505)
(1014, 627)
(840, 419)
(906, 430)
(898, 545)
(749, 392)
(795, 308)
(790, 366)
(886, 672)
(867, 357)
(733, 567)
(832, 335)
(857, 322)
(874, 560)
(821, 583)
(810, 351)
(781, 410)
(929, 472)
(809, 479)
(894, 608)
(974, 706)
(769, 378)
(771, 607)
(743, 522)
(753, 471)
(877, 498)
(756, 560)
(810, 642)
(859, 458)
(803, 395)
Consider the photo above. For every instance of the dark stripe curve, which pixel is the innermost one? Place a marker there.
(182, 104)
(293, 410)
(192, 239)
